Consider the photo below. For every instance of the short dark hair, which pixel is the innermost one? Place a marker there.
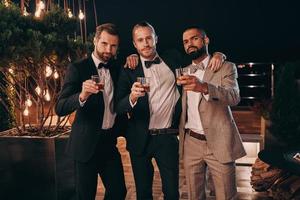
(201, 30)
(108, 27)
(143, 24)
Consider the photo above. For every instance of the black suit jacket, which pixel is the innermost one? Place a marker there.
(137, 129)
(88, 120)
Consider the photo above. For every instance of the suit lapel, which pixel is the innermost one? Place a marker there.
(184, 107)
(208, 74)
(139, 70)
(92, 70)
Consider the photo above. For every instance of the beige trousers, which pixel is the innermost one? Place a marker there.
(197, 157)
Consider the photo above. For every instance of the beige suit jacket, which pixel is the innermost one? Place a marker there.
(222, 135)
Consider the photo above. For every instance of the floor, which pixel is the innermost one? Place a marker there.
(248, 123)
(245, 191)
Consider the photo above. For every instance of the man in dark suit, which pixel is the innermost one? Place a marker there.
(153, 115)
(92, 143)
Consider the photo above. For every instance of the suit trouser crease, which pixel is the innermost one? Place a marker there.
(197, 157)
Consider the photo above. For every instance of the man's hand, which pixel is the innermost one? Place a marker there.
(88, 87)
(191, 83)
(132, 61)
(216, 61)
(137, 90)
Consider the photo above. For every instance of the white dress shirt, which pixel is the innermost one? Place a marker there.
(163, 94)
(193, 100)
(107, 93)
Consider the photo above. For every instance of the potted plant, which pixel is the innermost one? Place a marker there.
(285, 121)
(34, 53)
(285, 114)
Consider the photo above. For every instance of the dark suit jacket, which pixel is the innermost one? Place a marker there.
(137, 130)
(88, 120)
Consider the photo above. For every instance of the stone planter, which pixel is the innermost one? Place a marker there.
(35, 168)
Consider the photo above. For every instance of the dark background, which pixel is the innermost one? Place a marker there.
(245, 30)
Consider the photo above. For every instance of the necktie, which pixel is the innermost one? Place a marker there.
(199, 66)
(105, 65)
(148, 63)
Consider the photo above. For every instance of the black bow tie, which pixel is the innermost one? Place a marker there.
(148, 63)
(106, 66)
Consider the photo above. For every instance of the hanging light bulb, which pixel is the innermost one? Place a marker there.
(41, 5)
(11, 70)
(37, 13)
(6, 3)
(26, 111)
(70, 14)
(48, 71)
(38, 90)
(81, 15)
(47, 96)
(25, 13)
(28, 102)
(55, 75)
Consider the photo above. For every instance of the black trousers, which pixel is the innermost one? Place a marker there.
(106, 162)
(164, 149)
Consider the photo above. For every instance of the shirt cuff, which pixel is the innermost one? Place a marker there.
(81, 102)
(132, 104)
(206, 96)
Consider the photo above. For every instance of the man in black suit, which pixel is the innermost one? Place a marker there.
(92, 143)
(153, 115)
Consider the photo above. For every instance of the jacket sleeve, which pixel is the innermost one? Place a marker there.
(122, 94)
(228, 92)
(68, 100)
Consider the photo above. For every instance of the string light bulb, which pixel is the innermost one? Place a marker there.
(38, 90)
(37, 13)
(81, 15)
(70, 14)
(25, 13)
(41, 5)
(47, 96)
(11, 70)
(28, 102)
(48, 71)
(6, 3)
(26, 111)
(56, 75)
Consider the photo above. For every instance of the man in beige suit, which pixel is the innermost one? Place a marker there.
(208, 134)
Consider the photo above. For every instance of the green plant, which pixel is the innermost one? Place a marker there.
(285, 114)
(34, 54)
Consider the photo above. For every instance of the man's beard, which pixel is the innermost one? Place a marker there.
(198, 53)
(103, 57)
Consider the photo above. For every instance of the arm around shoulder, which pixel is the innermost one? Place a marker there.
(227, 92)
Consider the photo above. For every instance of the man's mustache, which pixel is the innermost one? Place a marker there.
(196, 48)
(146, 48)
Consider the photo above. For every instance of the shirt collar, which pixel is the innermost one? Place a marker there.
(96, 60)
(205, 61)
